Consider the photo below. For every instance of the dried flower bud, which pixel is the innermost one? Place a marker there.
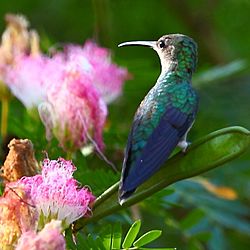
(20, 160)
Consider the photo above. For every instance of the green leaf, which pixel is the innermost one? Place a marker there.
(220, 72)
(91, 241)
(202, 236)
(192, 219)
(194, 244)
(117, 236)
(84, 245)
(230, 220)
(147, 238)
(131, 235)
(218, 240)
(69, 240)
(106, 236)
(100, 243)
(82, 242)
(1, 188)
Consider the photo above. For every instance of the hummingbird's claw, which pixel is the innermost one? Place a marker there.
(184, 145)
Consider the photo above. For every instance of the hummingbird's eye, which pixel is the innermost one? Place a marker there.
(161, 44)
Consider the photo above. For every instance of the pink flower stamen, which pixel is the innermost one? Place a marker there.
(56, 194)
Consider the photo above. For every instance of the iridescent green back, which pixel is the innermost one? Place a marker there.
(172, 91)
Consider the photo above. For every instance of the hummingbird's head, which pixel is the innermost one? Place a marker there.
(176, 51)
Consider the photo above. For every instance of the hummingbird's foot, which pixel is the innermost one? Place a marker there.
(183, 145)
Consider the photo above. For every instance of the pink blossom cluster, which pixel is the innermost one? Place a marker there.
(71, 90)
(56, 194)
(49, 238)
(35, 210)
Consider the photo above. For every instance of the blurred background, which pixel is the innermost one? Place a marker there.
(191, 214)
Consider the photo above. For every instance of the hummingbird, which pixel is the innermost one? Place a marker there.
(166, 114)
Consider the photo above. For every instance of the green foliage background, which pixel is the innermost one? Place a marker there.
(190, 216)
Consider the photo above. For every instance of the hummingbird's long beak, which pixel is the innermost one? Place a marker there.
(151, 44)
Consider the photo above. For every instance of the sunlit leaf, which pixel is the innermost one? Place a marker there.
(147, 238)
(117, 236)
(106, 236)
(131, 235)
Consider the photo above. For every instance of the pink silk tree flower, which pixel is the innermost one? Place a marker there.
(95, 62)
(71, 90)
(25, 79)
(49, 238)
(74, 111)
(16, 214)
(56, 194)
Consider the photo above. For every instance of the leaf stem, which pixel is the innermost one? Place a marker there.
(106, 194)
(4, 116)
